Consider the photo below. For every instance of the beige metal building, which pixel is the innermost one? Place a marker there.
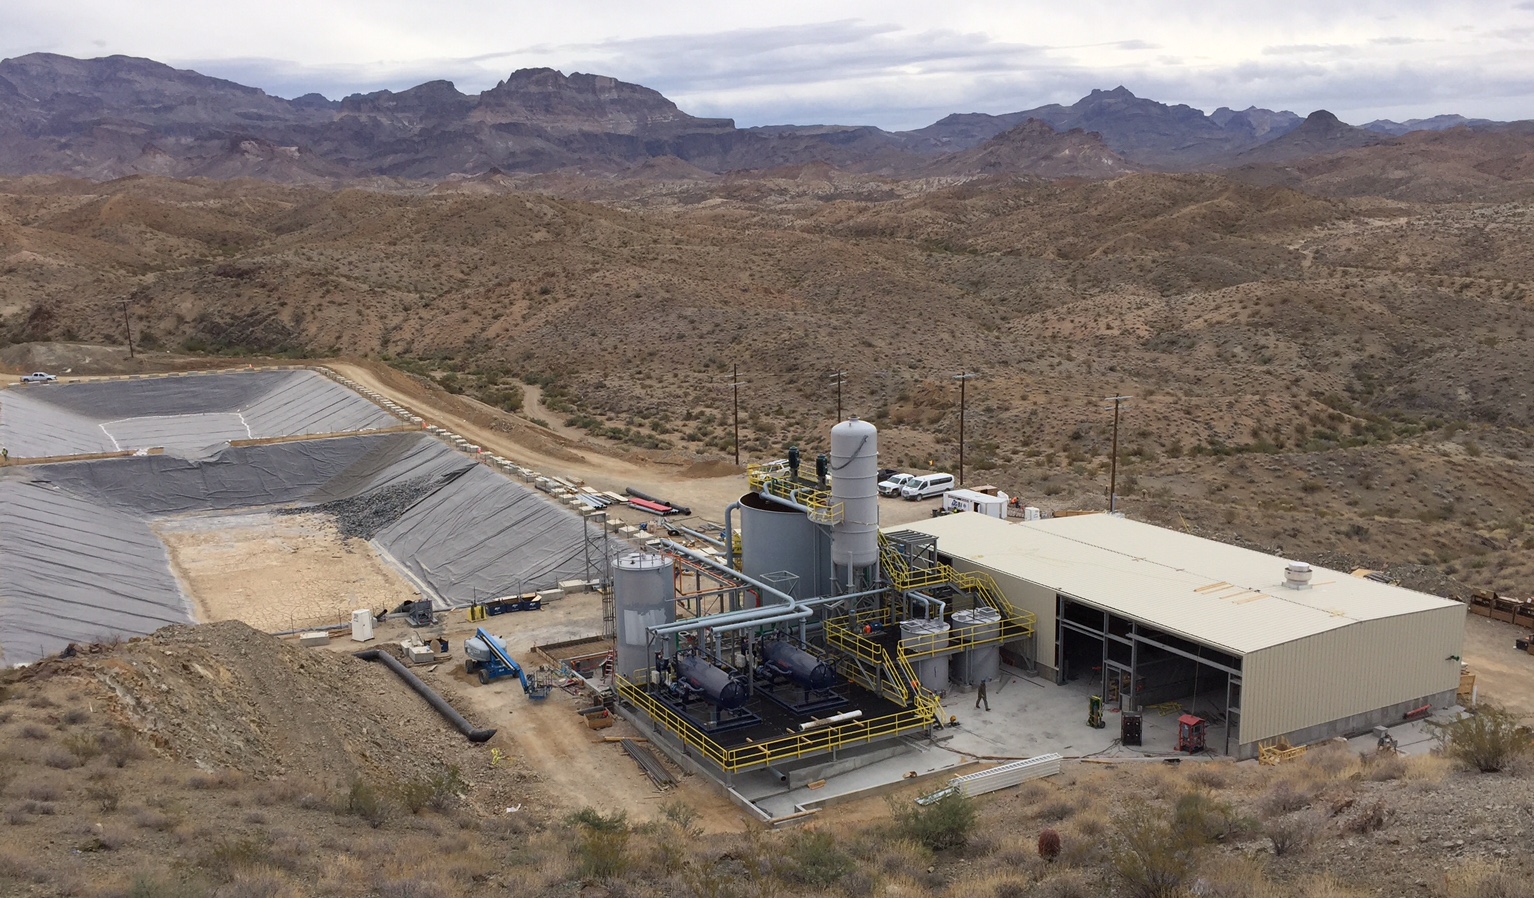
(1143, 615)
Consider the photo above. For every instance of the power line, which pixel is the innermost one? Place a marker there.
(963, 378)
(838, 378)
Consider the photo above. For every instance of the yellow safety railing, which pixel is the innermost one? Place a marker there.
(771, 751)
(773, 479)
(1015, 623)
(900, 684)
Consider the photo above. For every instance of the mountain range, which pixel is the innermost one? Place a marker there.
(117, 116)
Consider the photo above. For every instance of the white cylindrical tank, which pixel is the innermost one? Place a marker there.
(855, 484)
(922, 636)
(981, 662)
(644, 595)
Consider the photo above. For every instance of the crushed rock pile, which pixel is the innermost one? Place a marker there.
(226, 696)
(365, 515)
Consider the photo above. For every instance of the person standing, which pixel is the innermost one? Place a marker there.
(980, 697)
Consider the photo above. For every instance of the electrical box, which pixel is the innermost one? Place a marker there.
(362, 625)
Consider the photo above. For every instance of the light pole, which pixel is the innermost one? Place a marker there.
(1113, 465)
(962, 377)
(839, 378)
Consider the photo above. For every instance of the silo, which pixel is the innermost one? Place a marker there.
(922, 636)
(644, 595)
(774, 538)
(855, 484)
(981, 662)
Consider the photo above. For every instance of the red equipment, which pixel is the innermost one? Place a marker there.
(1190, 733)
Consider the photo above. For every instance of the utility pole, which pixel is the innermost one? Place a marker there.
(839, 378)
(962, 377)
(126, 328)
(1113, 465)
(735, 385)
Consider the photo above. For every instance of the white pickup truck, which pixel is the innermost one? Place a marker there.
(38, 377)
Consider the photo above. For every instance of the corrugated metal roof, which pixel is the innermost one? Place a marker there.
(1221, 595)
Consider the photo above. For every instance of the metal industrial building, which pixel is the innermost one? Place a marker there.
(1262, 648)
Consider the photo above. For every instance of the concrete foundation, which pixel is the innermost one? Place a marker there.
(1354, 725)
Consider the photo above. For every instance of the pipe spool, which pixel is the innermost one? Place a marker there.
(723, 688)
(804, 668)
(428, 693)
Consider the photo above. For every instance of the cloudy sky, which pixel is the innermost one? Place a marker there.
(894, 63)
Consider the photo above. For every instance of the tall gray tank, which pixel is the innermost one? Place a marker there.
(776, 538)
(855, 484)
(982, 662)
(644, 595)
(931, 671)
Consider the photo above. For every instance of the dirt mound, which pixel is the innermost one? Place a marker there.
(226, 696)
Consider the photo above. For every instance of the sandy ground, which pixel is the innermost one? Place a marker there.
(577, 768)
(1502, 673)
(277, 572)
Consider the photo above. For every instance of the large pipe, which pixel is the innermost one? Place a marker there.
(729, 533)
(696, 535)
(428, 693)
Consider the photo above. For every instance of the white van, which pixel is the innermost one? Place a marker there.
(926, 486)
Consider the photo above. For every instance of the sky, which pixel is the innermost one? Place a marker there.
(896, 64)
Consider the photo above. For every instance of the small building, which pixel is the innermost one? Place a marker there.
(1145, 616)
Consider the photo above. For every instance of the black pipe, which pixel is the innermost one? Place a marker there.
(428, 693)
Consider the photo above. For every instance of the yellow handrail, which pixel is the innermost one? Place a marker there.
(773, 479)
(785, 748)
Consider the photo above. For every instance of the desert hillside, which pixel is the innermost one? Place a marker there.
(1336, 377)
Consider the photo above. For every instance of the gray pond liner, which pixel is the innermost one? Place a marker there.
(183, 414)
(78, 561)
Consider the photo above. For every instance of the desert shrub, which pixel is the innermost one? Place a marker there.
(601, 851)
(411, 888)
(82, 745)
(1203, 819)
(1153, 859)
(1054, 811)
(33, 731)
(148, 818)
(103, 838)
(61, 760)
(945, 823)
(41, 791)
(1285, 796)
(362, 800)
(1478, 879)
(226, 857)
(218, 779)
(1210, 775)
(1049, 844)
(1067, 884)
(814, 859)
(76, 716)
(1291, 834)
(1381, 767)
(120, 746)
(1489, 739)
(1371, 818)
(438, 791)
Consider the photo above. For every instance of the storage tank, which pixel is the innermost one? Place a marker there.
(805, 669)
(931, 671)
(774, 538)
(644, 595)
(981, 662)
(855, 484)
(720, 686)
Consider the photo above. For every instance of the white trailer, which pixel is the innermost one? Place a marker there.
(980, 503)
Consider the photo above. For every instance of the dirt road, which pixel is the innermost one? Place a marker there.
(1502, 674)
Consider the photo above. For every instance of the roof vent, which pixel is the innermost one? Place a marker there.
(1297, 575)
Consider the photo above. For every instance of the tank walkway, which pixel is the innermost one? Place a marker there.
(773, 479)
